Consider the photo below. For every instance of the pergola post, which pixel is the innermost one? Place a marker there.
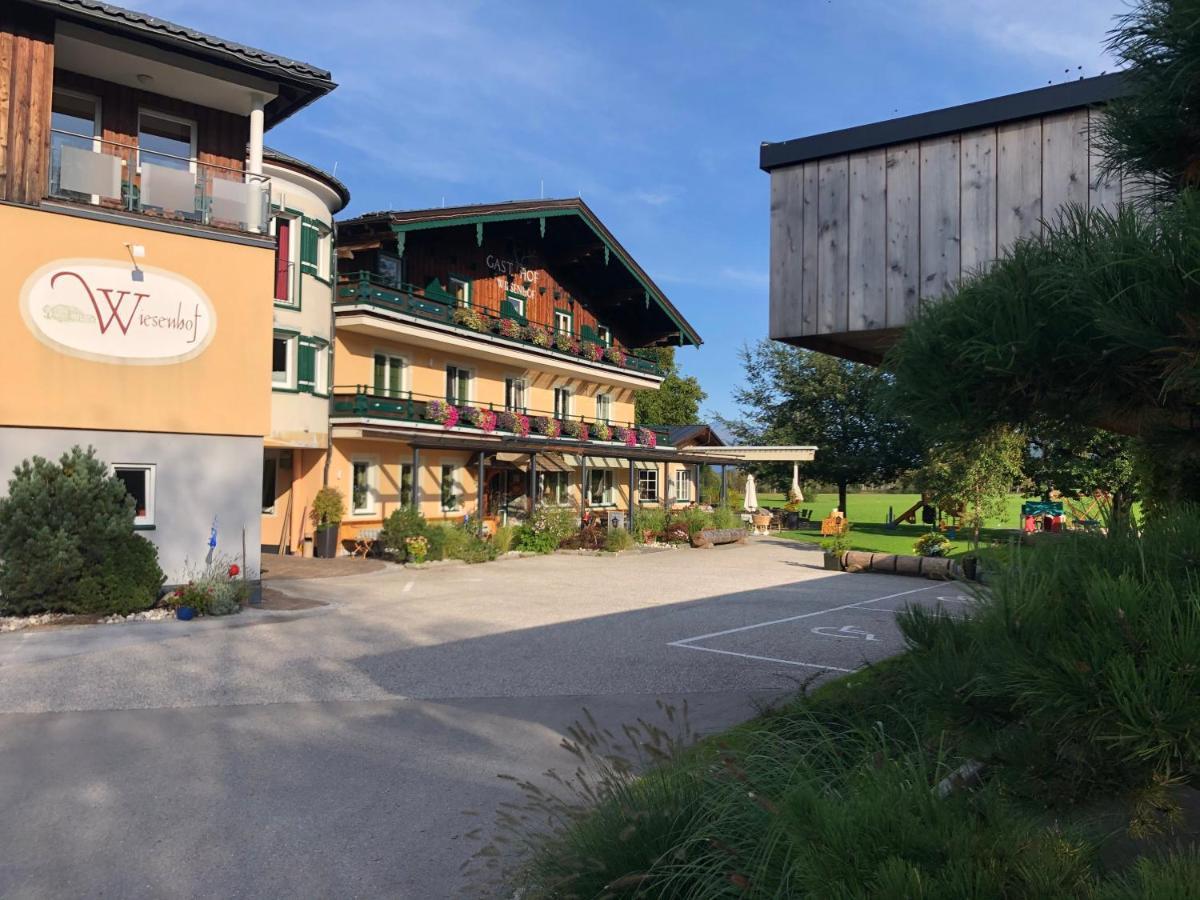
(583, 489)
(724, 486)
(416, 479)
(532, 484)
(479, 494)
(632, 503)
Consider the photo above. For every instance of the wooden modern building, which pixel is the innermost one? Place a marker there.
(869, 222)
(486, 360)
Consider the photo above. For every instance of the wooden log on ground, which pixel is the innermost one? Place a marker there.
(710, 537)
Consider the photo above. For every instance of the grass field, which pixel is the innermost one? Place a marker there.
(868, 521)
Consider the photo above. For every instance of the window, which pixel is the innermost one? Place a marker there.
(78, 171)
(139, 484)
(683, 485)
(562, 322)
(389, 375)
(554, 488)
(312, 367)
(283, 360)
(562, 403)
(648, 485)
(287, 233)
(460, 290)
(603, 407)
(604, 335)
(514, 394)
(322, 353)
(75, 119)
(362, 487)
(458, 385)
(390, 269)
(600, 487)
(166, 141)
(314, 247)
(451, 490)
(406, 484)
(269, 483)
(517, 301)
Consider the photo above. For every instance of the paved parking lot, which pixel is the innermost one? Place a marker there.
(335, 751)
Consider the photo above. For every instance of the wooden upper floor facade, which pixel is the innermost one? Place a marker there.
(869, 222)
(113, 113)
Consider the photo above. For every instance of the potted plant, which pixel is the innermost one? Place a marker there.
(835, 548)
(791, 515)
(328, 507)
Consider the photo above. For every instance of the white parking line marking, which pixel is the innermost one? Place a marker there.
(819, 612)
(408, 587)
(846, 631)
(786, 662)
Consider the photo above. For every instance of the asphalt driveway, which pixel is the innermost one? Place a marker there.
(339, 750)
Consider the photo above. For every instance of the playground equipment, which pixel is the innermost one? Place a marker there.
(1041, 515)
(930, 515)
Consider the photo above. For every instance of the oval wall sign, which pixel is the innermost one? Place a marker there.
(108, 311)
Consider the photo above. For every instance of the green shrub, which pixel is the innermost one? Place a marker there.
(328, 507)
(650, 518)
(67, 542)
(933, 543)
(530, 540)
(402, 524)
(1172, 877)
(617, 539)
(694, 520)
(437, 536)
(463, 542)
(725, 517)
(504, 538)
(547, 530)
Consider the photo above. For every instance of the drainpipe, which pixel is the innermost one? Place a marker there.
(329, 382)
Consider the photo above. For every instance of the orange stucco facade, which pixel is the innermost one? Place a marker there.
(223, 389)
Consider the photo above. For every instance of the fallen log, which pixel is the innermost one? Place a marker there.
(710, 537)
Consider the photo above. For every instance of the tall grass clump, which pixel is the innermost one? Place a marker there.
(1082, 667)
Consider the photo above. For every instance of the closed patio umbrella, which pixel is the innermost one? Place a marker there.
(751, 494)
(795, 493)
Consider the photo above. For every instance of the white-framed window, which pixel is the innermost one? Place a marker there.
(451, 488)
(562, 403)
(460, 289)
(406, 484)
(600, 487)
(603, 408)
(391, 374)
(514, 393)
(648, 485)
(166, 140)
(554, 488)
(362, 486)
(458, 385)
(517, 301)
(286, 228)
(138, 479)
(604, 335)
(283, 360)
(683, 485)
(562, 322)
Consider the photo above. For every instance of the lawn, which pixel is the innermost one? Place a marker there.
(868, 517)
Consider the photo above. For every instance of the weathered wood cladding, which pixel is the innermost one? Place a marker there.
(440, 254)
(26, 67)
(220, 136)
(859, 240)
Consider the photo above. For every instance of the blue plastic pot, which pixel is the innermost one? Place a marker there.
(185, 613)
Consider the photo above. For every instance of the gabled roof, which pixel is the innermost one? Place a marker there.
(513, 210)
(1010, 107)
(311, 81)
(694, 435)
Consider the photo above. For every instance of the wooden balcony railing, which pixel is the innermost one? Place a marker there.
(361, 401)
(366, 288)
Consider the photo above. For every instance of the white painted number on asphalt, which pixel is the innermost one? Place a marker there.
(846, 631)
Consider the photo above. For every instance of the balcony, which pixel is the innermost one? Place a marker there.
(122, 178)
(361, 402)
(508, 327)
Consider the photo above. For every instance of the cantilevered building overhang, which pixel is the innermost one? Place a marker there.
(867, 223)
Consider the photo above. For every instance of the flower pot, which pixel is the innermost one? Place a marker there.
(970, 567)
(791, 521)
(326, 541)
(833, 561)
(185, 613)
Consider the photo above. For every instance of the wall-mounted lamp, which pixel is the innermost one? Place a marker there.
(136, 252)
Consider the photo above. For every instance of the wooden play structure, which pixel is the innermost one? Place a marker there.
(931, 515)
(836, 523)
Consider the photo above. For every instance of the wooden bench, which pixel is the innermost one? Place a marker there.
(365, 541)
(710, 537)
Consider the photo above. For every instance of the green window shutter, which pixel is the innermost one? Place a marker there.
(306, 377)
(309, 242)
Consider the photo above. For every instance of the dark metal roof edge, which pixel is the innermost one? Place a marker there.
(996, 110)
(133, 22)
(532, 207)
(281, 158)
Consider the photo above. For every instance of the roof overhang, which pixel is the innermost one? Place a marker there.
(401, 223)
(791, 453)
(951, 120)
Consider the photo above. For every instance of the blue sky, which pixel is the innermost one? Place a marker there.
(653, 112)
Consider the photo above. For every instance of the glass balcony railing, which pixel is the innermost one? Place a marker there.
(122, 177)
